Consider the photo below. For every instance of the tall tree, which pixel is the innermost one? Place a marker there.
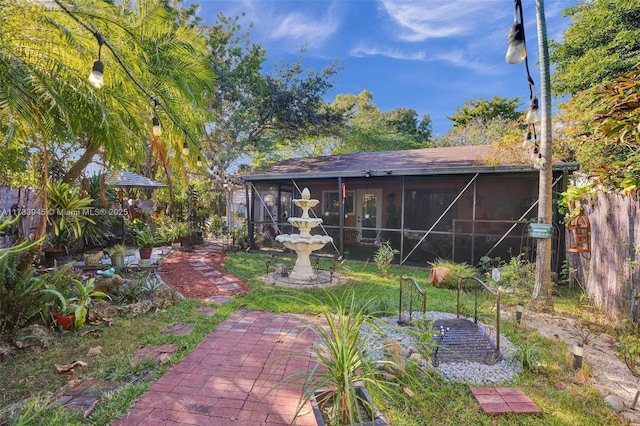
(46, 96)
(483, 110)
(602, 42)
(370, 129)
(257, 114)
(479, 131)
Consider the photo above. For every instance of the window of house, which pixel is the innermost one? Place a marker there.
(331, 203)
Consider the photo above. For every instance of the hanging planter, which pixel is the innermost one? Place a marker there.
(579, 231)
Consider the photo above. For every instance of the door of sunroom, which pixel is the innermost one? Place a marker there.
(368, 215)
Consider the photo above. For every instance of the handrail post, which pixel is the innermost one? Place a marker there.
(458, 307)
(400, 303)
(498, 324)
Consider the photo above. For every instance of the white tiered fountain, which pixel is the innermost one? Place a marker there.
(304, 243)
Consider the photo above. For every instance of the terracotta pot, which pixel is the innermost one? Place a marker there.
(145, 253)
(67, 322)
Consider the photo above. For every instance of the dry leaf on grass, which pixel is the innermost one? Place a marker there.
(94, 351)
(68, 368)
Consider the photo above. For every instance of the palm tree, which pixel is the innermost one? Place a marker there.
(45, 98)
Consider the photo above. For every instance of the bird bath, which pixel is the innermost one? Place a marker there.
(304, 243)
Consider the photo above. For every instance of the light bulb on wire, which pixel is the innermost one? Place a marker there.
(533, 115)
(96, 77)
(517, 50)
(156, 129)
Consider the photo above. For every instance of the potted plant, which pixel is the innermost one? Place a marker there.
(67, 213)
(73, 310)
(117, 254)
(145, 239)
(337, 385)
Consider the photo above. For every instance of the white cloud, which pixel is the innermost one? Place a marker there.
(461, 59)
(305, 27)
(362, 50)
(429, 19)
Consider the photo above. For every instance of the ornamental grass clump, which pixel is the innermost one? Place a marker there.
(341, 367)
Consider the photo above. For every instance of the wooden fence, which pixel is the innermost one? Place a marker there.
(610, 274)
(27, 200)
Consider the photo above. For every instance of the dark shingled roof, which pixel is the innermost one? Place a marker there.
(427, 161)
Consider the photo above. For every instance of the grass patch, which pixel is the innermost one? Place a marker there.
(29, 378)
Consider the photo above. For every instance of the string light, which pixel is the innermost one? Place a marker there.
(96, 77)
(517, 50)
(156, 129)
(533, 116)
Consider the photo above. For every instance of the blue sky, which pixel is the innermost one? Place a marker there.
(429, 55)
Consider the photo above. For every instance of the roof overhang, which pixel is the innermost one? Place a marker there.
(441, 171)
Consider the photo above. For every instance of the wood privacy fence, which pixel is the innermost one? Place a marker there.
(27, 201)
(610, 274)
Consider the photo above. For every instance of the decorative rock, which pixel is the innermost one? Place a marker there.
(34, 336)
(615, 402)
(602, 390)
(411, 350)
(630, 416)
(608, 339)
(109, 284)
(415, 357)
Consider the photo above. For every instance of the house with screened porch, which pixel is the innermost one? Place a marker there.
(449, 203)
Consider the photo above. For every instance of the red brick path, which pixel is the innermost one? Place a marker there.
(230, 378)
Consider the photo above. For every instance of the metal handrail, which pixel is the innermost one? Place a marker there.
(475, 313)
(413, 290)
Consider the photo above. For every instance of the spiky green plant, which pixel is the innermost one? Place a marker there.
(340, 364)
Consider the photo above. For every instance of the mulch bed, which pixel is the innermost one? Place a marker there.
(178, 273)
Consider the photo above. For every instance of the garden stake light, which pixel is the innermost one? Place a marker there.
(519, 311)
(578, 354)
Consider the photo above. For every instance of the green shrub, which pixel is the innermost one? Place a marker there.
(384, 256)
(517, 274)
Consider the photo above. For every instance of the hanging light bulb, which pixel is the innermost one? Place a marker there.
(534, 153)
(156, 129)
(96, 77)
(199, 163)
(529, 142)
(533, 115)
(185, 148)
(538, 162)
(517, 50)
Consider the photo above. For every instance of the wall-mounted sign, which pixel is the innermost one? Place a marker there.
(540, 230)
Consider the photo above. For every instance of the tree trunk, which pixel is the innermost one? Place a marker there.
(78, 167)
(542, 295)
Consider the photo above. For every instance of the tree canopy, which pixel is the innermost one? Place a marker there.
(484, 110)
(602, 43)
(597, 64)
(370, 129)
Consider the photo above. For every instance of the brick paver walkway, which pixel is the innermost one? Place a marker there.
(495, 400)
(232, 377)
